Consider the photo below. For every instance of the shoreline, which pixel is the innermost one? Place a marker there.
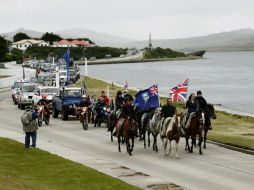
(217, 108)
(98, 62)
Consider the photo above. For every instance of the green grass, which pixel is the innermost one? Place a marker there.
(3, 76)
(22, 168)
(228, 128)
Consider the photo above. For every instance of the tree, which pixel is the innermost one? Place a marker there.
(18, 55)
(3, 48)
(50, 37)
(20, 36)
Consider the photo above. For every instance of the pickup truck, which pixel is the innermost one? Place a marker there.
(66, 102)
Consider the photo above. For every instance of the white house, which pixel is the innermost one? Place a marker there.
(24, 44)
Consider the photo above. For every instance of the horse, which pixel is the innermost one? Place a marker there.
(128, 132)
(145, 119)
(153, 127)
(195, 128)
(210, 113)
(138, 116)
(173, 133)
(111, 123)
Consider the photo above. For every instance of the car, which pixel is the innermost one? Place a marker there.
(63, 75)
(26, 94)
(39, 91)
(44, 79)
(15, 89)
(33, 80)
(66, 102)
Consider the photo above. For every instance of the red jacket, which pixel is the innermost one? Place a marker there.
(106, 100)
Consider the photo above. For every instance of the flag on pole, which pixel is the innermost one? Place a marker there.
(179, 92)
(126, 86)
(67, 60)
(148, 98)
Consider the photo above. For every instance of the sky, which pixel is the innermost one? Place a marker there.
(133, 19)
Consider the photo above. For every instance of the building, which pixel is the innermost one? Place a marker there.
(24, 44)
(73, 43)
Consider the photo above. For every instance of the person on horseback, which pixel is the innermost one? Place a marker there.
(167, 112)
(193, 107)
(203, 107)
(127, 111)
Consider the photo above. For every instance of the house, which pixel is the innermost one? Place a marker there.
(73, 43)
(24, 44)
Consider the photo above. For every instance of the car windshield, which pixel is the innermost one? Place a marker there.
(72, 93)
(49, 90)
(34, 80)
(29, 88)
(71, 72)
(42, 78)
(18, 84)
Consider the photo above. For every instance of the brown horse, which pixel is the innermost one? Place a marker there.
(173, 133)
(210, 113)
(195, 128)
(128, 132)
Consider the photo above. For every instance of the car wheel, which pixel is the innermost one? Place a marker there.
(22, 106)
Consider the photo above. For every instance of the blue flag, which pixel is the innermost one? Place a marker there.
(67, 60)
(148, 98)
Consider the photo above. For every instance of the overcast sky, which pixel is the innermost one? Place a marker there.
(133, 19)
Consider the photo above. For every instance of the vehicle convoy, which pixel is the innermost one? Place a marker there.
(26, 94)
(66, 102)
(16, 87)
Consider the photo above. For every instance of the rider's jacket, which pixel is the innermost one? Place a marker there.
(168, 111)
(119, 102)
(43, 102)
(127, 111)
(128, 97)
(86, 103)
(192, 106)
(202, 102)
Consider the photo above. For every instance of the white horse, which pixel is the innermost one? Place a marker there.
(154, 128)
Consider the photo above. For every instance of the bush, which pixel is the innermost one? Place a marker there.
(75, 52)
(162, 53)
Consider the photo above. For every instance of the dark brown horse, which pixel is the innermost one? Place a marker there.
(128, 132)
(111, 123)
(195, 129)
(209, 113)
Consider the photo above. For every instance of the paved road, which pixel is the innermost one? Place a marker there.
(218, 168)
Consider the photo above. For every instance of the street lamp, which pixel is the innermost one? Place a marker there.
(23, 66)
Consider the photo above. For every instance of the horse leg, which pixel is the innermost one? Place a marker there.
(144, 136)
(155, 142)
(192, 144)
(165, 143)
(148, 136)
(119, 144)
(132, 145)
(112, 135)
(170, 148)
(200, 143)
(177, 156)
(205, 138)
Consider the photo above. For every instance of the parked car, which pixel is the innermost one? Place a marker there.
(26, 94)
(33, 80)
(15, 89)
(44, 80)
(66, 102)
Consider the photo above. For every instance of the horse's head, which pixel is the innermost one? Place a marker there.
(132, 124)
(157, 115)
(211, 111)
(201, 116)
(178, 120)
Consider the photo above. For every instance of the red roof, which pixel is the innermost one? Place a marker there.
(64, 42)
(80, 42)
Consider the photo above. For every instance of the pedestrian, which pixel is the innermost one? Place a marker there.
(30, 126)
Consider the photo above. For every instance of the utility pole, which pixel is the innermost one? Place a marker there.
(150, 42)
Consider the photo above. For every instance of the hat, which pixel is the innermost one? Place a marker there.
(84, 96)
(199, 92)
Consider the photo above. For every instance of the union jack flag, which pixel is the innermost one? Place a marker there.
(154, 90)
(179, 92)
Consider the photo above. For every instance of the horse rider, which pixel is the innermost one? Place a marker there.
(127, 111)
(119, 100)
(167, 112)
(193, 107)
(203, 107)
(105, 98)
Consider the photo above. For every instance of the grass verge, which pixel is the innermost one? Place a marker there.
(22, 168)
(228, 128)
(3, 76)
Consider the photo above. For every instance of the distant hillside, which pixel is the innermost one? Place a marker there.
(99, 38)
(238, 40)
